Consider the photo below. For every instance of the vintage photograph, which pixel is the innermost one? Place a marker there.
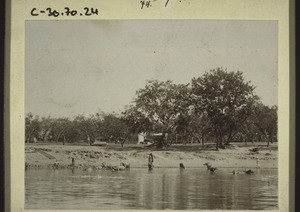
(151, 114)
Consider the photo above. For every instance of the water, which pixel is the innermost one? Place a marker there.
(157, 189)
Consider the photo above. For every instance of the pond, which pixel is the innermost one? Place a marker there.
(160, 188)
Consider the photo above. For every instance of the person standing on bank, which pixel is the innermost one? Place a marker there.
(150, 161)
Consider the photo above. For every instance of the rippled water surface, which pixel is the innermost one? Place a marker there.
(158, 189)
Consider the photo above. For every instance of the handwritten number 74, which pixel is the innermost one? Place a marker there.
(145, 4)
(148, 4)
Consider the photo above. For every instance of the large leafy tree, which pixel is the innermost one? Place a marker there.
(226, 98)
(199, 126)
(266, 122)
(59, 130)
(191, 124)
(136, 121)
(157, 107)
(115, 128)
(88, 127)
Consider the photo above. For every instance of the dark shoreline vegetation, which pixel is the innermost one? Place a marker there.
(219, 106)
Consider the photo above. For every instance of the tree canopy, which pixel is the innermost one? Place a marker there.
(158, 106)
(226, 98)
(219, 106)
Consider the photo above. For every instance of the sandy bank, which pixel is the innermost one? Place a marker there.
(44, 156)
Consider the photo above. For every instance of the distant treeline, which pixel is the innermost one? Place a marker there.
(218, 106)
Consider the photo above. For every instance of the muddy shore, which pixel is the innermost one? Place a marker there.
(44, 156)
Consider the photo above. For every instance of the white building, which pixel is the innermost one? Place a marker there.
(141, 138)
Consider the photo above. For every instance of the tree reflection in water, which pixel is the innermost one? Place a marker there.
(155, 189)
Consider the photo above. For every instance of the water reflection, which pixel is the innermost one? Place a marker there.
(155, 189)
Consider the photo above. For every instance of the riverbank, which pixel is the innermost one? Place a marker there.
(193, 156)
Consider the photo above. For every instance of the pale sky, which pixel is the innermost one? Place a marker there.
(81, 67)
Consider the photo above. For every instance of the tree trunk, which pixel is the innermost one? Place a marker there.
(89, 140)
(64, 140)
(46, 135)
(161, 141)
(29, 136)
(259, 138)
(203, 138)
(58, 136)
(26, 138)
(231, 134)
(221, 144)
(44, 138)
(229, 138)
(217, 145)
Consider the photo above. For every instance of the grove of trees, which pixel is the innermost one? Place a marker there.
(219, 106)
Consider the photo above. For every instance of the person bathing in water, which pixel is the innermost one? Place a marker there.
(150, 161)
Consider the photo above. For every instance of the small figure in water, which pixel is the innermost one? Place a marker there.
(249, 171)
(150, 161)
(73, 161)
(257, 163)
(126, 165)
(181, 166)
(56, 164)
(26, 165)
(212, 169)
(207, 165)
(235, 172)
